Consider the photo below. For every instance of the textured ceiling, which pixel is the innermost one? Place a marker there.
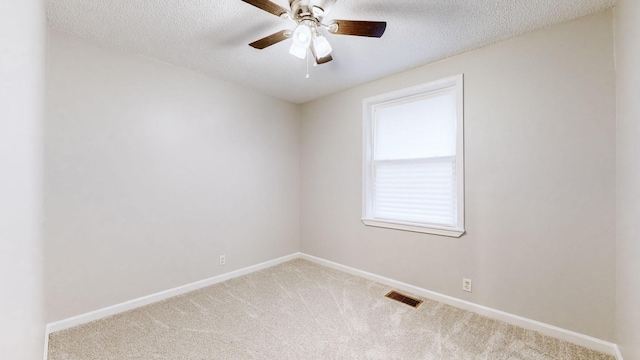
(211, 36)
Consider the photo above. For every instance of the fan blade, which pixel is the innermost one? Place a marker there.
(324, 60)
(358, 28)
(271, 39)
(268, 6)
(326, 5)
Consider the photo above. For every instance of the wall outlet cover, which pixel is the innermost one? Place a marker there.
(466, 285)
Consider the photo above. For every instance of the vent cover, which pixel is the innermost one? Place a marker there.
(413, 302)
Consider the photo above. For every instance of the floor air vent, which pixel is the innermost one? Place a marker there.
(404, 299)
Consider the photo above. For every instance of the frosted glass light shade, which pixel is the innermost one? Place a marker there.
(298, 51)
(321, 46)
(301, 40)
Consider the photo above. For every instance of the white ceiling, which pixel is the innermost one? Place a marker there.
(211, 36)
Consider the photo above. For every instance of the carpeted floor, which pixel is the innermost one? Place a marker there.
(300, 310)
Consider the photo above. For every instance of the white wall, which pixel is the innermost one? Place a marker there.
(540, 181)
(627, 17)
(22, 59)
(152, 172)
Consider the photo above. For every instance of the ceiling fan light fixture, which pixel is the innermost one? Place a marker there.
(321, 46)
(302, 35)
(301, 39)
(298, 51)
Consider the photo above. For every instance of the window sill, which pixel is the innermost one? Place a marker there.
(415, 228)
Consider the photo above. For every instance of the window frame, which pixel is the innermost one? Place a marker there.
(369, 105)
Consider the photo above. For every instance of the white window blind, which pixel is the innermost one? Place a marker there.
(413, 159)
(421, 191)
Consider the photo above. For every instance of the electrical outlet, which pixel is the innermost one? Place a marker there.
(466, 285)
(223, 259)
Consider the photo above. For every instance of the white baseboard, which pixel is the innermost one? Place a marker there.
(46, 344)
(162, 295)
(546, 329)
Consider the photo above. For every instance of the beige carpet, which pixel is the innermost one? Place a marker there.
(300, 310)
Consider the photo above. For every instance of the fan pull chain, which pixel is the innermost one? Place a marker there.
(308, 53)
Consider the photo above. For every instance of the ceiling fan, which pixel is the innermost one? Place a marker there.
(307, 35)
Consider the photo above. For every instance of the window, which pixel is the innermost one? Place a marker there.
(413, 166)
